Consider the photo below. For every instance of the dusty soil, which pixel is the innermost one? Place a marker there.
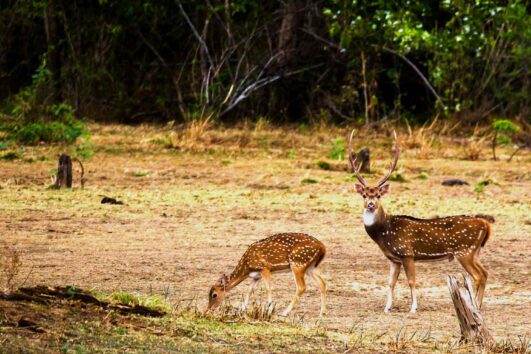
(188, 217)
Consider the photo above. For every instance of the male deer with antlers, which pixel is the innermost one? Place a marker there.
(405, 240)
(300, 253)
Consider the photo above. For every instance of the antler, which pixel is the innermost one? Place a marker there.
(393, 164)
(353, 161)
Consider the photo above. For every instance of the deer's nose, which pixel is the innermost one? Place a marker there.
(370, 205)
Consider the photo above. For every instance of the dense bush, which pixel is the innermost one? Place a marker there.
(339, 60)
(30, 119)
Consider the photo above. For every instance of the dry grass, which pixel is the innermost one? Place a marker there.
(10, 266)
(191, 211)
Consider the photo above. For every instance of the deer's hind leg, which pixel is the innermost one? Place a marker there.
(483, 281)
(469, 264)
(315, 273)
(298, 274)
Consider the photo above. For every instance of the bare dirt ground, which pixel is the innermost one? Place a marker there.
(189, 216)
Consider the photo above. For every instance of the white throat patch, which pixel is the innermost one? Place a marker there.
(369, 217)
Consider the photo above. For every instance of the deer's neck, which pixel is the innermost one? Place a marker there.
(376, 222)
(239, 274)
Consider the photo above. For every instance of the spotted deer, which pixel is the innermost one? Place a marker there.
(405, 240)
(300, 253)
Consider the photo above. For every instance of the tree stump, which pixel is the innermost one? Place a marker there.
(363, 160)
(473, 326)
(64, 172)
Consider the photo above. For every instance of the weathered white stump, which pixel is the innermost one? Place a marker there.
(473, 326)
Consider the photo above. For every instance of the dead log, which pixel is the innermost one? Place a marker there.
(473, 326)
(64, 172)
(363, 160)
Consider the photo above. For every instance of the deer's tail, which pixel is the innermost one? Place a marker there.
(489, 218)
(489, 231)
(321, 256)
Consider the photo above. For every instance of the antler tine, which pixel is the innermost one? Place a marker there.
(353, 161)
(393, 164)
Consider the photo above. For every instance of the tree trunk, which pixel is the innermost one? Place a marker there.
(287, 37)
(52, 39)
(473, 326)
(363, 160)
(64, 172)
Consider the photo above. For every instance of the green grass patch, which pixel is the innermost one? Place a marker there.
(422, 175)
(11, 155)
(141, 173)
(397, 177)
(337, 151)
(309, 180)
(323, 165)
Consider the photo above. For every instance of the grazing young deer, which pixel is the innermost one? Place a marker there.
(405, 240)
(299, 253)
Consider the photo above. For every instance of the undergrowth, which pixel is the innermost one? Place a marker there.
(31, 116)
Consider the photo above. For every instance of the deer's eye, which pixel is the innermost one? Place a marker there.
(214, 296)
(364, 196)
(378, 196)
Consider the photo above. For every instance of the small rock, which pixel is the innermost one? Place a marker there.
(108, 200)
(454, 182)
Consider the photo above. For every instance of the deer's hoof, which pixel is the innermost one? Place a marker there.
(285, 313)
(387, 310)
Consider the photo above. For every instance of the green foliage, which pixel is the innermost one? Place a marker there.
(119, 60)
(141, 173)
(11, 155)
(84, 149)
(31, 119)
(397, 177)
(465, 51)
(337, 152)
(422, 175)
(503, 129)
(5, 145)
(309, 180)
(323, 165)
(131, 299)
(482, 183)
(291, 154)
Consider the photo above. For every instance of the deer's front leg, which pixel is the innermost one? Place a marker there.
(252, 287)
(394, 271)
(409, 267)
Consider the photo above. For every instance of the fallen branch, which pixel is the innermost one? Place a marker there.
(82, 172)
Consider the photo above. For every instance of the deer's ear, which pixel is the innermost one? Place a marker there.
(384, 189)
(224, 280)
(359, 188)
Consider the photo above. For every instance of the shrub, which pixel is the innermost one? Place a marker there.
(10, 265)
(503, 129)
(338, 150)
(11, 155)
(56, 124)
(29, 118)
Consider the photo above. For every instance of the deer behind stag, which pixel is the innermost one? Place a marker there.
(405, 240)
